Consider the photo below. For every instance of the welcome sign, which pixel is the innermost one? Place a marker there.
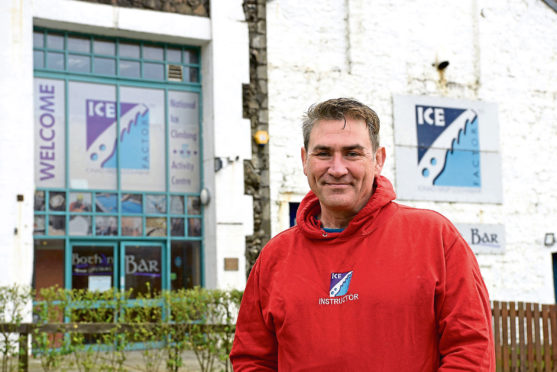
(447, 150)
(49, 148)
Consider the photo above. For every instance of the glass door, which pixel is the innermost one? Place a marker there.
(93, 265)
(100, 266)
(142, 268)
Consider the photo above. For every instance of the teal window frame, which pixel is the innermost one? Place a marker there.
(118, 80)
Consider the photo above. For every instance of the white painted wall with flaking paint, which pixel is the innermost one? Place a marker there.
(502, 51)
(16, 142)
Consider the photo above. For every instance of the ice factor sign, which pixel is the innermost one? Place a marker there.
(101, 142)
(183, 151)
(448, 146)
(447, 149)
(49, 133)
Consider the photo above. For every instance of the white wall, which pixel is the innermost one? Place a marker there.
(499, 51)
(16, 142)
(231, 138)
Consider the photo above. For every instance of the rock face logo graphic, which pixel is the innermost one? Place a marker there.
(101, 141)
(448, 147)
(339, 284)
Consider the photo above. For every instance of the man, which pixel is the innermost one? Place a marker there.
(361, 283)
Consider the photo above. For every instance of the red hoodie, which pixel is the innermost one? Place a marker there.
(397, 290)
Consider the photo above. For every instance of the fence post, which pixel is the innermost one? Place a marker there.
(23, 358)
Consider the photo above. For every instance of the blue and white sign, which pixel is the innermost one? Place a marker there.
(447, 150)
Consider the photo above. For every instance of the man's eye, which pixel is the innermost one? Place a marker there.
(352, 154)
(322, 153)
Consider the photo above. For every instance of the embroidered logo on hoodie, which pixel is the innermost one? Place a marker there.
(339, 284)
(338, 289)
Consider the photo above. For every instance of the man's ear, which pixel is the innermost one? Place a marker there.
(380, 156)
(304, 158)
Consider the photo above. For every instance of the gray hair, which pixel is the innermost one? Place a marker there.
(340, 109)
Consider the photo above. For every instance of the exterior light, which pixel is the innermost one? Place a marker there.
(205, 196)
(261, 137)
(218, 164)
(443, 65)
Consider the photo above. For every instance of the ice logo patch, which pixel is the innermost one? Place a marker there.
(101, 134)
(448, 147)
(339, 284)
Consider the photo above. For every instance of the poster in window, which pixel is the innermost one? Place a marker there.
(106, 225)
(132, 226)
(132, 203)
(80, 225)
(99, 283)
(184, 148)
(106, 202)
(177, 227)
(57, 201)
(155, 226)
(177, 204)
(38, 225)
(92, 133)
(80, 202)
(49, 147)
(56, 225)
(39, 200)
(142, 139)
(155, 204)
(97, 150)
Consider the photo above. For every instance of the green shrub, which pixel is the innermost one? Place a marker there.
(14, 308)
(163, 324)
(50, 347)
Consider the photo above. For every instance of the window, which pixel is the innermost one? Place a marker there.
(117, 157)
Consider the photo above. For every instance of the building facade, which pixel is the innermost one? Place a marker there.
(133, 146)
(115, 120)
(502, 54)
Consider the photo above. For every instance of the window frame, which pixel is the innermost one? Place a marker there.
(118, 81)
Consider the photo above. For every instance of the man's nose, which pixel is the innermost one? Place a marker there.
(337, 168)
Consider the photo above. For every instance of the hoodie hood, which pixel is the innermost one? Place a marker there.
(363, 222)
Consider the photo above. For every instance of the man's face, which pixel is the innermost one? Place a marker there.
(341, 166)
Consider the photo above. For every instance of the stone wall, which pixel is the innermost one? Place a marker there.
(256, 110)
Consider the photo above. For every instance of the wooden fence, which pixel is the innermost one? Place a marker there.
(525, 336)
